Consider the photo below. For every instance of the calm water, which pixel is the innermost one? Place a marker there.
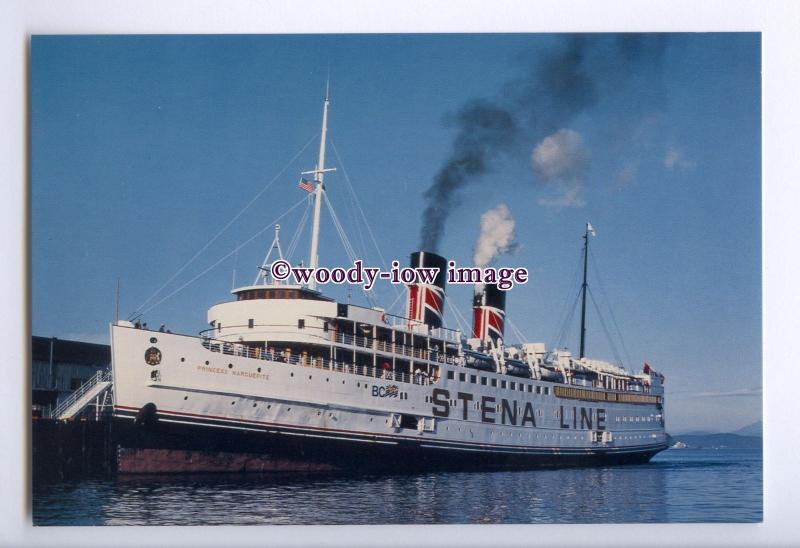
(689, 485)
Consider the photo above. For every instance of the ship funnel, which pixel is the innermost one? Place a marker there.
(426, 301)
(488, 313)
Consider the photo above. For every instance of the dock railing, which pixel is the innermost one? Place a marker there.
(100, 376)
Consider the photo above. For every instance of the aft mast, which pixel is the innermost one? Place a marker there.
(319, 178)
(589, 230)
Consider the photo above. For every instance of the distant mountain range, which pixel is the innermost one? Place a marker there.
(715, 441)
(749, 437)
(755, 429)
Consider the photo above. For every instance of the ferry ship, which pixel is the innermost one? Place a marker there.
(288, 379)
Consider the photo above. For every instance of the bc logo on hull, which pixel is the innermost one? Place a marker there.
(390, 391)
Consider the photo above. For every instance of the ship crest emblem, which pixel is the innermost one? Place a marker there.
(152, 356)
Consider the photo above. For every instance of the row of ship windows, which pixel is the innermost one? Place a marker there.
(511, 385)
(559, 437)
(271, 294)
(402, 395)
(635, 419)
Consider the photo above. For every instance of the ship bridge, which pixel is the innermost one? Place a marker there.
(272, 312)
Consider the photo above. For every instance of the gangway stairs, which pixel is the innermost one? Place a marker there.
(93, 389)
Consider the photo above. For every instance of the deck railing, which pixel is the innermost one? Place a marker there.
(392, 348)
(318, 362)
(350, 339)
(369, 344)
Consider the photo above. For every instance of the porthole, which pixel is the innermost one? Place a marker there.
(259, 370)
(289, 409)
(291, 374)
(342, 382)
(153, 340)
(206, 362)
(309, 377)
(183, 359)
(254, 404)
(327, 379)
(230, 366)
(269, 406)
(370, 419)
(233, 403)
(186, 397)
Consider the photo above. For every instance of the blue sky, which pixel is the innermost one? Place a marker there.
(143, 148)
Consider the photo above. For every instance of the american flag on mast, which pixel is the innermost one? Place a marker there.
(307, 185)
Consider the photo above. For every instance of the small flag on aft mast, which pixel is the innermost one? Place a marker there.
(590, 229)
(306, 185)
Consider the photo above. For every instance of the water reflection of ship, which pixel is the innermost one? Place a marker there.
(579, 495)
(591, 495)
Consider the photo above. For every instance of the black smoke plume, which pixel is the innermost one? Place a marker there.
(569, 79)
(483, 128)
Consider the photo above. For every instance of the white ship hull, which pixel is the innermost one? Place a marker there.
(201, 408)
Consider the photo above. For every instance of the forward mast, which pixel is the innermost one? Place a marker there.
(319, 188)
